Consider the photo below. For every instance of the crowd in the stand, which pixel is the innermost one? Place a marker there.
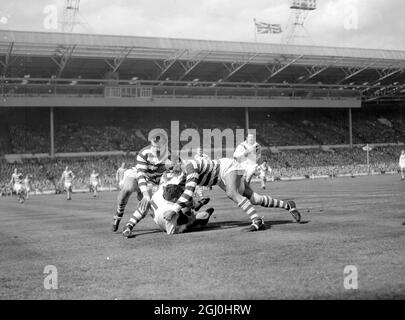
(85, 130)
(285, 164)
(315, 162)
(273, 129)
(285, 129)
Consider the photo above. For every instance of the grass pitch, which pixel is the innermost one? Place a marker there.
(346, 222)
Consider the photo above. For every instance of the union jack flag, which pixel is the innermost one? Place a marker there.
(265, 28)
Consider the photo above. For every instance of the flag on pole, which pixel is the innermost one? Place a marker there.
(266, 28)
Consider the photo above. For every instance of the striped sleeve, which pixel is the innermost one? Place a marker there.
(141, 168)
(191, 183)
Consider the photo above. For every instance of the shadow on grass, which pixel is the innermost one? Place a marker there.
(136, 233)
(212, 226)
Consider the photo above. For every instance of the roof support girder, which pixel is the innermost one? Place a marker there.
(118, 60)
(61, 58)
(386, 73)
(8, 58)
(190, 65)
(234, 67)
(168, 63)
(315, 70)
(351, 72)
(279, 66)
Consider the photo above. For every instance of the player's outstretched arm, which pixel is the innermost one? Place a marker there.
(186, 199)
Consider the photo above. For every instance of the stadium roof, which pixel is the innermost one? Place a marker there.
(46, 54)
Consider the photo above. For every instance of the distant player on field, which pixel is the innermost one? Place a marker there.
(94, 182)
(27, 185)
(228, 174)
(264, 170)
(67, 177)
(119, 176)
(247, 154)
(16, 183)
(402, 164)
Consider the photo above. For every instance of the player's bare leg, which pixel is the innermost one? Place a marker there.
(68, 193)
(269, 202)
(129, 187)
(402, 174)
(234, 188)
(264, 183)
(21, 198)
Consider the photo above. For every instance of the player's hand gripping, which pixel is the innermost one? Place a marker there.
(144, 204)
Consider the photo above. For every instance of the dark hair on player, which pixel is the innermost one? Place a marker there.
(172, 192)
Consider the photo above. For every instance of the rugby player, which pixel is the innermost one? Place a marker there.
(17, 186)
(94, 182)
(264, 170)
(67, 177)
(247, 154)
(228, 174)
(144, 178)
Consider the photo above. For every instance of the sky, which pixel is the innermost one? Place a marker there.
(377, 24)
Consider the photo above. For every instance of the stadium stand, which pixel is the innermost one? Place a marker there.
(127, 129)
(26, 130)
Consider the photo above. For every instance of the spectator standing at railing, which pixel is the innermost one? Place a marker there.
(402, 164)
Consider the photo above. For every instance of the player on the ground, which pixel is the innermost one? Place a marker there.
(402, 164)
(144, 178)
(94, 182)
(16, 183)
(170, 189)
(247, 154)
(264, 170)
(67, 177)
(119, 176)
(229, 176)
(27, 185)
